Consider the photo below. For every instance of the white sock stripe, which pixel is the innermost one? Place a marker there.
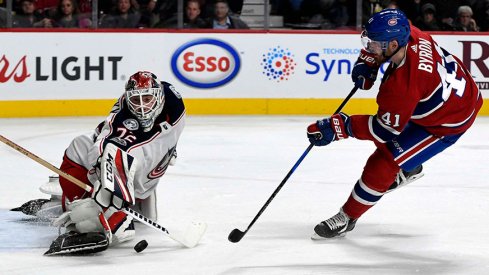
(360, 200)
(368, 190)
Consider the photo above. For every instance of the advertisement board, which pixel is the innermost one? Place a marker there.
(94, 66)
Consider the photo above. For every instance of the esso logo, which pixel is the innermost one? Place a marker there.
(205, 63)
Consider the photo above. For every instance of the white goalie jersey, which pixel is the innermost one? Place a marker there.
(152, 149)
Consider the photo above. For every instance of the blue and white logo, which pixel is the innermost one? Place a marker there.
(205, 63)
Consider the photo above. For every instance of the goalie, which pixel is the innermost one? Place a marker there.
(123, 159)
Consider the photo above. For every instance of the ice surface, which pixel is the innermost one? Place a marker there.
(227, 168)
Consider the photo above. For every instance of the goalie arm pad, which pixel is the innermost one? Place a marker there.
(115, 186)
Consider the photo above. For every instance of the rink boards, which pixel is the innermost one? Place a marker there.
(74, 73)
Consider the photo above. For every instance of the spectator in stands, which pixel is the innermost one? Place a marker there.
(29, 17)
(465, 22)
(3, 17)
(428, 21)
(192, 18)
(147, 9)
(481, 14)
(124, 16)
(46, 7)
(223, 19)
(167, 13)
(68, 16)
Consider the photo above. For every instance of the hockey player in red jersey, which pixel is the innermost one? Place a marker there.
(426, 101)
(134, 144)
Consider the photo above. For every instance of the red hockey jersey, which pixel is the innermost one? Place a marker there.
(430, 87)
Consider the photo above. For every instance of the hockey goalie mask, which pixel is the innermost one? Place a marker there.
(145, 98)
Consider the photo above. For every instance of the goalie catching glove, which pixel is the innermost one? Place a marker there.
(324, 131)
(114, 185)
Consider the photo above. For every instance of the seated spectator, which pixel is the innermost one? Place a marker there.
(167, 14)
(68, 16)
(192, 18)
(222, 18)
(29, 17)
(147, 9)
(465, 22)
(428, 21)
(124, 16)
(46, 7)
(481, 14)
(3, 17)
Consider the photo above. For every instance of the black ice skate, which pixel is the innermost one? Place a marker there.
(404, 178)
(336, 226)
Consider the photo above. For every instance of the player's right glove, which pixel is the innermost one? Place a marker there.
(365, 70)
(324, 131)
(113, 183)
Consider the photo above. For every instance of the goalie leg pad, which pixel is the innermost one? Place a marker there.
(74, 243)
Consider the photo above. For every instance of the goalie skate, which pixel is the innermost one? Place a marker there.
(73, 243)
(404, 178)
(336, 226)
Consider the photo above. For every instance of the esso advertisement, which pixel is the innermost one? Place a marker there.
(205, 63)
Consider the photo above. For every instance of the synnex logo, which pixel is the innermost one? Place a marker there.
(205, 63)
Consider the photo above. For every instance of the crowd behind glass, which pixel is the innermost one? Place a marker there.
(430, 15)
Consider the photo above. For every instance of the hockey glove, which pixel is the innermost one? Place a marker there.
(114, 186)
(365, 70)
(323, 132)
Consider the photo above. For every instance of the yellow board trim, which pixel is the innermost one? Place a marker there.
(229, 106)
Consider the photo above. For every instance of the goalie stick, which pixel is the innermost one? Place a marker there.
(189, 239)
(236, 235)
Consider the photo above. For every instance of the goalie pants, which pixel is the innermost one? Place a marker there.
(411, 148)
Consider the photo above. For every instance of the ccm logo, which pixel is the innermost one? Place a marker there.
(205, 63)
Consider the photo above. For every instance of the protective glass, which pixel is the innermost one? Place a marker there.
(375, 47)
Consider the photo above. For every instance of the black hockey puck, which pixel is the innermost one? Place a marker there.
(140, 246)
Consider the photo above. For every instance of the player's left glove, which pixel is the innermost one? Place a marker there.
(324, 131)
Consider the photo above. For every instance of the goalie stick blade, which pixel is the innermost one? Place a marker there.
(236, 235)
(72, 243)
(193, 234)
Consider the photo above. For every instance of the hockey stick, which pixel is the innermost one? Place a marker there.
(189, 239)
(236, 235)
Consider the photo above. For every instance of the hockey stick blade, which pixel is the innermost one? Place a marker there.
(190, 239)
(193, 234)
(236, 235)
